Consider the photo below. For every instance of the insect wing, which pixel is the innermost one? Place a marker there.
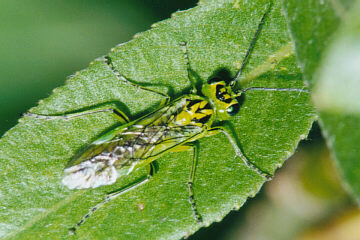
(132, 144)
(94, 166)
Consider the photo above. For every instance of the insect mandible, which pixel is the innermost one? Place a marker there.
(176, 126)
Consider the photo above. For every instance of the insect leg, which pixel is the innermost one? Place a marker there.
(190, 182)
(109, 62)
(109, 197)
(119, 114)
(183, 45)
(231, 135)
(299, 90)
(195, 146)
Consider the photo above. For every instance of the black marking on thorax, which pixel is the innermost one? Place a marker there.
(202, 114)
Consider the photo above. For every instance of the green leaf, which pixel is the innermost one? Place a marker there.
(327, 46)
(269, 126)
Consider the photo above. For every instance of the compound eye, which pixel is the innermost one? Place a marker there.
(233, 109)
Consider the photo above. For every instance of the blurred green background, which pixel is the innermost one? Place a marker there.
(43, 42)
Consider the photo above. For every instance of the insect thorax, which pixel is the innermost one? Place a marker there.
(193, 110)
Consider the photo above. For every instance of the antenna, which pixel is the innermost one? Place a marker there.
(273, 89)
(252, 43)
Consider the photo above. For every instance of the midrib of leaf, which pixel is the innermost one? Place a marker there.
(284, 52)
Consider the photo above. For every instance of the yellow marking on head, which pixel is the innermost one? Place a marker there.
(222, 97)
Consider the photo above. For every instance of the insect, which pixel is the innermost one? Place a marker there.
(176, 126)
